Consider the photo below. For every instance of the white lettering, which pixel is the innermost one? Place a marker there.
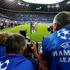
(69, 59)
(63, 59)
(54, 53)
(60, 53)
(66, 52)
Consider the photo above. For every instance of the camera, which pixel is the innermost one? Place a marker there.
(28, 42)
(23, 32)
(50, 29)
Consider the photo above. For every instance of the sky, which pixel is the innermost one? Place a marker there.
(43, 1)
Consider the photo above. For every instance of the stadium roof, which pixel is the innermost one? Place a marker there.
(35, 5)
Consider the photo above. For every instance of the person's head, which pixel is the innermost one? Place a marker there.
(15, 44)
(3, 37)
(60, 20)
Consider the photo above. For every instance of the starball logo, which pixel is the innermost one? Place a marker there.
(64, 34)
(4, 65)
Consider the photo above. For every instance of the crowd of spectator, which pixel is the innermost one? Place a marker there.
(8, 23)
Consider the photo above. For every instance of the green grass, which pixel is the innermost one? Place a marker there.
(40, 33)
(41, 30)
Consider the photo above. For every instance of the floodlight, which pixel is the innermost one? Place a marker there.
(57, 5)
(19, 3)
(38, 8)
(68, 2)
(48, 6)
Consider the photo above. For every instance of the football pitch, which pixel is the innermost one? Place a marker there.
(41, 31)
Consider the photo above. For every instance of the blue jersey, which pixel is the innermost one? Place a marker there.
(15, 63)
(2, 50)
(56, 49)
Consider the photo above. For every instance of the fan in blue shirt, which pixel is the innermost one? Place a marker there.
(14, 60)
(3, 36)
(56, 47)
(2, 50)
